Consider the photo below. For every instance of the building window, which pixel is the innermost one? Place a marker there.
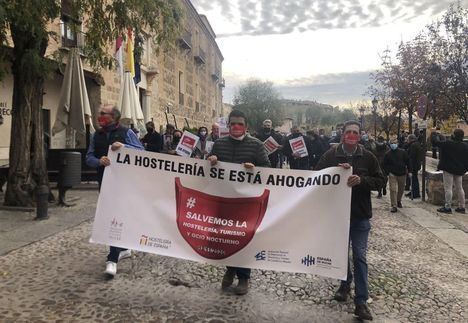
(69, 26)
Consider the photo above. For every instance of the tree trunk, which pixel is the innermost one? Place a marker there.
(410, 119)
(27, 159)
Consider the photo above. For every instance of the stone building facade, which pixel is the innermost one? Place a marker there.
(182, 85)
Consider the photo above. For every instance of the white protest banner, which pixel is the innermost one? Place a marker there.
(298, 146)
(271, 145)
(273, 219)
(222, 122)
(223, 132)
(187, 144)
(209, 146)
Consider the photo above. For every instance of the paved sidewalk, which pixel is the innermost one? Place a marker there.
(18, 229)
(450, 228)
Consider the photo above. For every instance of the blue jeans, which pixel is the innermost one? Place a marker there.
(241, 272)
(358, 235)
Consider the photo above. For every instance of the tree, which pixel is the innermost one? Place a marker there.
(259, 101)
(24, 38)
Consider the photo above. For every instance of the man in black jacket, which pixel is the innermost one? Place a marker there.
(267, 132)
(152, 140)
(238, 148)
(396, 165)
(454, 163)
(366, 177)
(295, 161)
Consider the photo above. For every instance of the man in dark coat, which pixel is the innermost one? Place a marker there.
(111, 133)
(366, 177)
(454, 163)
(295, 161)
(396, 165)
(238, 148)
(152, 140)
(416, 154)
(267, 132)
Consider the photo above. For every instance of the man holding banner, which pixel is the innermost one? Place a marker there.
(367, 176)
(111, 133)
(238, 148)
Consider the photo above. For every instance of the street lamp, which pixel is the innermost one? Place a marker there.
(361, 111)
(374, 111)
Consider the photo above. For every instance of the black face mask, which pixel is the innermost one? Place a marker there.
(149, 130)
(176, 140)
(266, 130)
(296, 135)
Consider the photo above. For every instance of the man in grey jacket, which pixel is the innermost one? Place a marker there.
(239, 148)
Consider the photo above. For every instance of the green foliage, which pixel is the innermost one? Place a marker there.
(259, 101)
(103, 21)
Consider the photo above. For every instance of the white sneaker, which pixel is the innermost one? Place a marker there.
(111, 268)
(125, 254)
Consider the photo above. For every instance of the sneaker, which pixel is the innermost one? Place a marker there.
(228, 278)
(342, 293)
(125, 254)
(111, 268)
(399, 204)
(460, 210)
(393, 209)
(363, 312)
(242, 287)
(445, 210)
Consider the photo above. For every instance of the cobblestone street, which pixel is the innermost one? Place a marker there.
(414, 276)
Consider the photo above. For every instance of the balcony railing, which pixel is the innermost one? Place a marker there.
(200, 56)
(185, 41)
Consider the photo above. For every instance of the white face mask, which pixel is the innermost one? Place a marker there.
(203, 133)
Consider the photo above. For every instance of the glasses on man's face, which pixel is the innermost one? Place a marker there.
(352, 132)
(102, 113)
(236, 123)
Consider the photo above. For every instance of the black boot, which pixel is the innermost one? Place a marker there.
(242, 287)
(228, 278)
(342, 293)
(362, 312)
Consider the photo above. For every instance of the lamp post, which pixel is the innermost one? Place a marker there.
(361, 111)
(374, 112)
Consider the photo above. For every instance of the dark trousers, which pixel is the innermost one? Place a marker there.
(114, 254)
(415, 185)
(241, 272)
(358, 236)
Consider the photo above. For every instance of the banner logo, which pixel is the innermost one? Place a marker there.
(308, 261)
(261, 255)
(218, 227)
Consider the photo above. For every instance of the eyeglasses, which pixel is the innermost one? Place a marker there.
(102, 113)
(236, 124)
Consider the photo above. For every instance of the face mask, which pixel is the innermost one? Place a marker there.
(393, 146)
(365, 137)
(237, 130)
(267, 130)
(351, 139)
(149, 130)
(203, 133)
(176, 140)
(104, 121)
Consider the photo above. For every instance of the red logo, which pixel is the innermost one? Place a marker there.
(297, 145)
(218, 227)
(188, 141)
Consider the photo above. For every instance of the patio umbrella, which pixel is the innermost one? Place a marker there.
(74, 110)
(130, 105)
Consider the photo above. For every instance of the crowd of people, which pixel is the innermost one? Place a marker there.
(374, 163)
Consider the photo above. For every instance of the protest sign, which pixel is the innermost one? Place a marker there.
(271, 145)
(298, 146)
(223, 132)
(187, 144)
(286, 220)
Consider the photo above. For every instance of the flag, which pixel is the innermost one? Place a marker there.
(130, 58)
(118, 55)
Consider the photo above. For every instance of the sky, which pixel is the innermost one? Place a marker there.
(321, 50)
